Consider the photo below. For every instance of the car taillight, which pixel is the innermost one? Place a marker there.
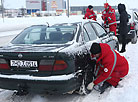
(49, 65)
(132, 26)
(60, 65)
(4, 64)
(46, 65)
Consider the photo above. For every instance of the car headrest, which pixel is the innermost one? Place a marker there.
(67, 37)
(55, 36)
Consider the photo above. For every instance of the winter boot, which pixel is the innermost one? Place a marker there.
(123, 48)
(104, 86)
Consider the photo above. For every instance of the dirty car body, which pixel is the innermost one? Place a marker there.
(51, 58)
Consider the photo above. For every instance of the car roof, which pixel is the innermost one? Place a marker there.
(68, 22)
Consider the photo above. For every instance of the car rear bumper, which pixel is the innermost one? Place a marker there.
(53, 84)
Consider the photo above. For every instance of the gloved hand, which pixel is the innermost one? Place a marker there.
(90, 86)
(107, 22)
(106, 18)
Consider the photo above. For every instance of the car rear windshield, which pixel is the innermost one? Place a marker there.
(58, 34)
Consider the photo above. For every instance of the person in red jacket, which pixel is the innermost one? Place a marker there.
(108, 15)
(90, 13)
(111, 67)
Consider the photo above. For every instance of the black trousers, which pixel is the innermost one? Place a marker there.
(123, 41)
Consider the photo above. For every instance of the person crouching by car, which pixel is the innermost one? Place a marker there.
(111, 67)
(90, 14)
(109, 18)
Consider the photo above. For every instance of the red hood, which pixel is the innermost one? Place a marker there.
(105, 48)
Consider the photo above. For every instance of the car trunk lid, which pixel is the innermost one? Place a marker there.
(30, 60)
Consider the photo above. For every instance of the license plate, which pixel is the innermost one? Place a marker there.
(23, 63)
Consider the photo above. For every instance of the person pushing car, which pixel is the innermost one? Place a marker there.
(109, 18)
(111, 67)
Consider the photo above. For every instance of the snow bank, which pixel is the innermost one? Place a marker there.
(12, 24)
(12, 27)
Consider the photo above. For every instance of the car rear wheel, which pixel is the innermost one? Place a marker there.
(87, 77)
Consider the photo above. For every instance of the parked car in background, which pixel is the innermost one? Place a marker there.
(132, 34)
(136, 21)
(53, 59)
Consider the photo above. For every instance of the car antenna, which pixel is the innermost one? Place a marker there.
(47, 24)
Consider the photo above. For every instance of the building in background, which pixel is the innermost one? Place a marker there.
(53, 5)
(33, 6)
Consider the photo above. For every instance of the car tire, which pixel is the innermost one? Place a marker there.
(84, 90)
(134, 40)
(137, 33)
(87, 77)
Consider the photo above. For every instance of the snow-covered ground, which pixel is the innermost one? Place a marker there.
(126, 91)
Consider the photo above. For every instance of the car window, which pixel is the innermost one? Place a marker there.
(100, 30)
(86, 38)
(60, 34)
(33, 35)
(90, 31)
(46, 35)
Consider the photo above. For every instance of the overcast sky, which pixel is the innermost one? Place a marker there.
(128, 3)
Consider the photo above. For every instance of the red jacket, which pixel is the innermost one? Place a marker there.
(110, 15)
(110, 64)
(90, 14)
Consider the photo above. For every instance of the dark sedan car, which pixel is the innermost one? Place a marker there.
(53, 59)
